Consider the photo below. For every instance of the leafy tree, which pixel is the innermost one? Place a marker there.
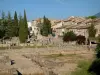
(46, 27)
(15, 24)
(92, 31)
(69, 36)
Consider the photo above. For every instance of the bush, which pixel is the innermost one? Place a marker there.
(95, 67)
(98, 38)
(69, 36)
(91, 17)
(81, 39)
(98, 50)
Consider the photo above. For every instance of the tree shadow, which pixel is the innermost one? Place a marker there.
(18, 73)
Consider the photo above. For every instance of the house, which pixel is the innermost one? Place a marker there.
(79, 25)
(97, 26)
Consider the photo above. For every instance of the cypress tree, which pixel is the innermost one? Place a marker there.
(23, 29)
(46, 27)
(15, 24)
(26, 26)
(9, 28)
(49, 27)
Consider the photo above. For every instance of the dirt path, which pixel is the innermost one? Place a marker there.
(24, 65)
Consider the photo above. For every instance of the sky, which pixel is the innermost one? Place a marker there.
(53, 9)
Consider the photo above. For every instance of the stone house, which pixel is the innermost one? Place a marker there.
(79, 25)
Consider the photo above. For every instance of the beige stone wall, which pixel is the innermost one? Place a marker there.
(83, 32)
(98, 29)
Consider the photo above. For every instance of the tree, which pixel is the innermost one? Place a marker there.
(3, 15)
(26, 26)
(46, 27)
(92, 31)
(49, 26)
(91, 17)
(16, 28)
(3, 26)
(23, 29)
(69, 36)
(1, 29)
(9, 16)
(9, 27)
(44, 30)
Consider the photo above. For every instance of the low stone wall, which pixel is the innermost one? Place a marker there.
(4, 45)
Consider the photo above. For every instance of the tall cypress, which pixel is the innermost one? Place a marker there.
(46, 27)
(23, 29)
(9, 28)
(16, 27)
(26, 26)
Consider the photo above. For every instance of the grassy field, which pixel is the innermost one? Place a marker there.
(82, 68)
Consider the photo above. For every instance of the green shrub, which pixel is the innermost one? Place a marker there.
(98, 38)
(91, 17)
(95, 67)
(69, 36)
(98, 50)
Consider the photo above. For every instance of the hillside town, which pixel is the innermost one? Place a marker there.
(79, 25)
